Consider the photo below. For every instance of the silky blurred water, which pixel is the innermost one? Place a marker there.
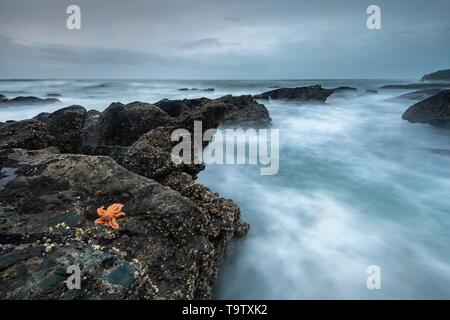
(357, 186)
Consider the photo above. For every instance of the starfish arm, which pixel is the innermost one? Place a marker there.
(99, 221)
(101, 211)
(119, 215)
(113, 224)
(115, 208)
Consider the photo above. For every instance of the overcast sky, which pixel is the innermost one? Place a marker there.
(223, 39)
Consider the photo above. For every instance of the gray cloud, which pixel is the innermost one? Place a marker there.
(201, 43)
(223, 39)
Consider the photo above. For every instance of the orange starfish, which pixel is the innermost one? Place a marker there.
(110, 215)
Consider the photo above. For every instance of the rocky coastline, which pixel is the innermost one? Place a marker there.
(59, 167)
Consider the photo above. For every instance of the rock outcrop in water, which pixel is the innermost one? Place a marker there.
(441, 75)
(27, 100)
(304, 94)
(434, 110)
(311, 94)
(228, 110)
(417, 95)
(58, 168)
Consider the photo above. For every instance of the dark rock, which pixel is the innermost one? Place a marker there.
(434, 110)
(169, 246)
(28, 100)
(53, 95)
(66, 127)
(210, 112)
(441, 75)
(124, 124)
(2, 97)
(417, 95)
(228, 110)
(150, 156)
(343, 91)
(176, 108)
(176, 232)
(311, 93)
(371, 91)
(183, 89)
(344, 88)
(209, 89)
(30, 134)
(245, 111)
(91, 130)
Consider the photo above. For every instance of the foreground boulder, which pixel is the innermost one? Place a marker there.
(441, 75)
(434, 110)
(29, 134)
(167, 247)
(176, 232)
(27, 100)
(311, 93)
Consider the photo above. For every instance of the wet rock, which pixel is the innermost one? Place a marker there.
(28, 100)
(53, 95)
(434, 110)
(91, 129)
(344, 89)
(228, 110)
(245, 111)
(371, 91)
(151, 156)
(417, 95)
(124, 124)
(29, 134)
(2, 97)
(66, 127)
(168, 246)
(311, 93)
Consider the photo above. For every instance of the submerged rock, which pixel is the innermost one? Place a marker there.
(434, 110)
(344, 88)
(311, 93)
(417, 95)
(28, 100)
(167, 247)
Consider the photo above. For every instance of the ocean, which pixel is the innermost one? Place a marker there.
(357, 186)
